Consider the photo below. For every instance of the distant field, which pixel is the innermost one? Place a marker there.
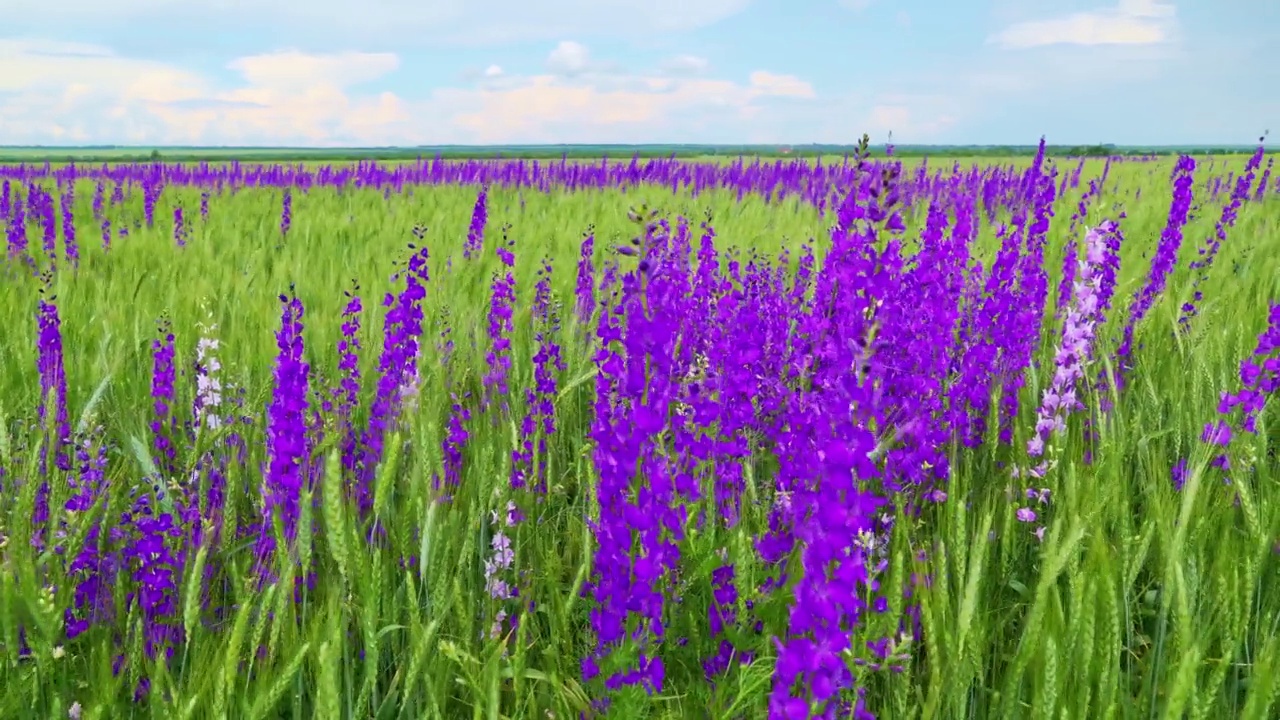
(684, 152)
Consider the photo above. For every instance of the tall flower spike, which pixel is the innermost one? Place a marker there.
(1075, 349)
(286, 432)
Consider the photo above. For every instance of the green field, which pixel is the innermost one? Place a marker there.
(1141, 601)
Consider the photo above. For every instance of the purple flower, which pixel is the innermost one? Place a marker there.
(1216, 433)
(501, 307)
(17, 231)
(397, 366)
(106, 235)
(53, 377)
(99, 192)
(455, 442)
(1075, 349)
(162, 392)
(52, 411)
(287, 447)
(156, 569)
(538, 423)
(92, 569)
(585, 292)
(1162, 264)
(1179, 473)
(179, 227)
(475, 232)
(151, 191)
(1210, 250)
(70, 248)
(286, 212)
(347, 392)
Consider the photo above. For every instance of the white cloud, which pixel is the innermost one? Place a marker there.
(290, 68)
(1131, 22)
(767, 83)
(547, 109)
(568, 58)
(686, 65)
(393, 23)
(83, 93)
(87, 94)
(27, 64)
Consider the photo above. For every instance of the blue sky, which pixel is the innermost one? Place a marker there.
(408, 72)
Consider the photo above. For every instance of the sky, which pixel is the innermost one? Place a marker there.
(332, 73)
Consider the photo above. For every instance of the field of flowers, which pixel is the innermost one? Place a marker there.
(513, 439)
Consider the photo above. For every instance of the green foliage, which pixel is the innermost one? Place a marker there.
(1139, 602)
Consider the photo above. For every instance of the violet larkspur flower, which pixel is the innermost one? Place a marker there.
(1076, 347)
(152, 188)
(501, 306)
(585, 292)
(17, 233)
(1264, 182)
(40, 205)
(454, 443)
(1217, 432)
(53, 392)
(1259, 376)
(286, 432)
(1162, 264)
(1069, 257)
(179, 227)
(163, 374)
(99, 191)
(92, 570)
(156, 569)
(70, 249)
(475, 232)
(640, 520)
(539, 418)
(1031, 276)
(53, 377)
(1178, 473)
(1226, 221)
(397, 366)
(286, 212)
(348, 389)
